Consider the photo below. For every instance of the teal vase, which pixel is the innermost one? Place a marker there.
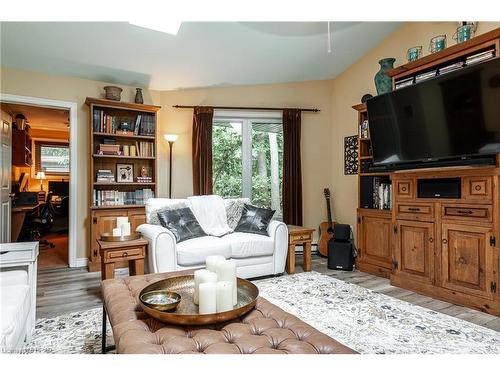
(383, 82)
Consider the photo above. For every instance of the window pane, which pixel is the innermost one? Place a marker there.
(267, 161)
(226, 158)
(54, 159)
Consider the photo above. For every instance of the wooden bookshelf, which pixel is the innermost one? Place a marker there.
(103, 217)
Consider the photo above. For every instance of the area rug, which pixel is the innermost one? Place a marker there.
(366, 321)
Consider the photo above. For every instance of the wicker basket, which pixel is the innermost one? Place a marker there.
(113, 92)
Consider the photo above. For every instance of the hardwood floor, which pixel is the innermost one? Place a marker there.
(67, 290)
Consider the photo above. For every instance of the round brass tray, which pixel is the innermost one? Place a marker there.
(186, 312)
(108, 237)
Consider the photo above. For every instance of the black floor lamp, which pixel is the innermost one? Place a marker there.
(170, 138)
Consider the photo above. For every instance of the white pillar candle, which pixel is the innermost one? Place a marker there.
(202, 276)
(120, 220)
(226, 271)
(212, 260)
(117, 232)
(208, 298)
(224, 296)
(125, 229)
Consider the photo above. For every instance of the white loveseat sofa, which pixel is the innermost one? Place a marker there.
(255, 255)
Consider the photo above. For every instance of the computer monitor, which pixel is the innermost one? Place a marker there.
(59, 188)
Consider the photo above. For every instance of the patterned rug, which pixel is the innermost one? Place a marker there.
(366, 321)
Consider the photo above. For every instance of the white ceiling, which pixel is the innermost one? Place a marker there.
(202, 54)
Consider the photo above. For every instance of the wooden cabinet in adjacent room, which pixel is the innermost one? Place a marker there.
(374, 242)
(414, 250)
(467, 259)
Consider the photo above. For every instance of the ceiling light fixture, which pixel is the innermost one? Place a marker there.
(169, 26)
(329, 39)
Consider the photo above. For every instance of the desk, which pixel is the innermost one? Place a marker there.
(18, 216)
(299, 236)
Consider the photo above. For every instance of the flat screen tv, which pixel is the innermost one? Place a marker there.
(455, 116)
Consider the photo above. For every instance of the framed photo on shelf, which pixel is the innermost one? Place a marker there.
(124, 173)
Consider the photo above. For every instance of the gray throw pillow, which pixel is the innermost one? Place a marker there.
(181, 223)
(254, 220)
(234, 209)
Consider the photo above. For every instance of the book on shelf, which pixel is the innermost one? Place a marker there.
(479, 57)
(382, 194)
(105, 175)
(451, 68)
(105, 123)
(404, 83)
(145, 149)
(425, 76)
(121, 198)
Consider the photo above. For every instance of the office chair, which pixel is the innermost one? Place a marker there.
(36, 226)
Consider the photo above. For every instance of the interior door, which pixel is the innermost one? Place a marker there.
(5, 175)
(467, 259)
(376, 241)
(414, 250)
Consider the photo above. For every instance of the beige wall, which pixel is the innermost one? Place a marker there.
(24, 83)
(322, 133)
(316, 133)
(357, 80)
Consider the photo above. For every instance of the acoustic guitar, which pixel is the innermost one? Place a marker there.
(326, 227)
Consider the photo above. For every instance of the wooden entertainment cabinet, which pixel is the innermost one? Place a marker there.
(447, 248)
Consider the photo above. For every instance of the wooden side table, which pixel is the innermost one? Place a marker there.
(114, 252)
(299, 236)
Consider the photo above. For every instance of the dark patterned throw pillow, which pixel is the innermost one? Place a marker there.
(181, 223)
(254, 220)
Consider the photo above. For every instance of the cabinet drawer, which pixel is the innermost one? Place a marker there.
(300, 237)
(131, 253)
(477, 188)
(415, 210)
(467, 212)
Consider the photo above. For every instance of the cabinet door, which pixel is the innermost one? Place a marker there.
(102, 222)
(467, 259)
(376, 241)
(414, 250)
(136, 218)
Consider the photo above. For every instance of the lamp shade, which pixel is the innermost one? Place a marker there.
(171, 137)
(40, 175)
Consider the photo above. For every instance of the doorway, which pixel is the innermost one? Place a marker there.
(43, 177)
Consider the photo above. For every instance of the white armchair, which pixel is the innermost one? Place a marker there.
(255, 255)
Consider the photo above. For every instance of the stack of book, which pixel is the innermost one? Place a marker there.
(120, 198)
(144, 180)
(105, 175)
(146, 126)
(425, 76)
(382, 194)
(451, 68)
(404, 83)
(107, 149)
(145, 149)
(480, 57)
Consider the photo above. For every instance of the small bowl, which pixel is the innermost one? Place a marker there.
(162, 300)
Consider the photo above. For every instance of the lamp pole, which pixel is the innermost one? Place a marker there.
(170, 145)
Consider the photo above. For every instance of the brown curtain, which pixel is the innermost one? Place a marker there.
(202, 150)
(292, 169)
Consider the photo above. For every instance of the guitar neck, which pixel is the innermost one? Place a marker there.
(329, 211)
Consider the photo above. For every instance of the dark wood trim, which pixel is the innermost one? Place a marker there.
(251, 108)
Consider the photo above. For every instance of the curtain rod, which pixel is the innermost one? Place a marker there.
(252, 108)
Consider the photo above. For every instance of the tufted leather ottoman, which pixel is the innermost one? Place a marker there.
(265, 330)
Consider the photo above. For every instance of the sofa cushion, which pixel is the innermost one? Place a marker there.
(153, 205)
(248, 245)
(254, 220)
(14, 310)
(181, 223)
(195, 251)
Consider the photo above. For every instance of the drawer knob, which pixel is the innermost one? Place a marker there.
(413, 209)
(403, 188)
(477, 187)
(463, 212)
(431, 240)
(445, 241)
(462, 260)
(124, 254)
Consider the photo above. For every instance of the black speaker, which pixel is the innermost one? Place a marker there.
(439, 188)
(340, 256)
(341, 232)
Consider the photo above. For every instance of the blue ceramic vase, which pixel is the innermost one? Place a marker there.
(383, 82)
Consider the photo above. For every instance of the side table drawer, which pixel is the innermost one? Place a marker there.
(124, 254)
(300, 237)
